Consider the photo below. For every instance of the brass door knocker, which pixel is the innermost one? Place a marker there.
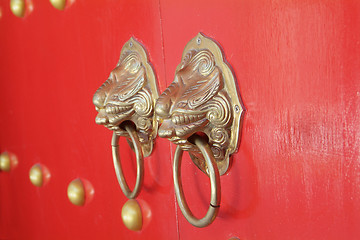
(201, 99)
(125, 103)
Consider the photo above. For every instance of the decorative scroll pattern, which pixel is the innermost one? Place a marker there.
(126, 96)
(196, 101)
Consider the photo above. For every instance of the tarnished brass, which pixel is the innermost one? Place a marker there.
(214, 180)
(58, 4)
(202, 98)
(36, 175)
(76, 192)
(201, 112)
(128, 97)
(5, 162)
(131, 215)
(18, 7)
(129, 94)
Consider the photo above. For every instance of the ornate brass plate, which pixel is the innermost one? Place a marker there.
(202, 98)
(129, 94)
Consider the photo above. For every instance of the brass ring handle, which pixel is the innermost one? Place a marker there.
(214, 180)
(139, 163)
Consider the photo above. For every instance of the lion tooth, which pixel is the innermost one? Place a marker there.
(186, 119)
(180, 119)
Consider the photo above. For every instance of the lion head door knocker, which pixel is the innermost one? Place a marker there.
(125, 103)
(201, 112)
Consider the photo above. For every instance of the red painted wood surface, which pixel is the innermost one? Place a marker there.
(296, 174)
(52, 63)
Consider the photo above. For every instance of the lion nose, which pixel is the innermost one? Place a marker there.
(166, 130)
(101, 119)
(162, 109)
(99, 99)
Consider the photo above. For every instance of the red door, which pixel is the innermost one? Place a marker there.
(295, 174)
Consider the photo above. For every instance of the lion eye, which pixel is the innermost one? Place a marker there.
(181, 104)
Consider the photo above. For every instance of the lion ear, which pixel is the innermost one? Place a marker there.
(204, 89)
(131, 62)
(130, 76)
(131, 85)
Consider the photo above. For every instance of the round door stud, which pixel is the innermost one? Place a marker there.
(131, 215)
(8, 161)
(5, 162)
(36, 175)
(39, 175)
(18, 7)
(58, 4)
(76, 192)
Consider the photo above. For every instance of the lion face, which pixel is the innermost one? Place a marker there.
(128, 96)
(113, 99)
(196, 102)
(125, 97)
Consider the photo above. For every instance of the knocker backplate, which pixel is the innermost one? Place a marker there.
(203, 99)
(128, 96)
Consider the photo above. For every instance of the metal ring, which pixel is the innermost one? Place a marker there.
(139, 163)
(214, 180)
